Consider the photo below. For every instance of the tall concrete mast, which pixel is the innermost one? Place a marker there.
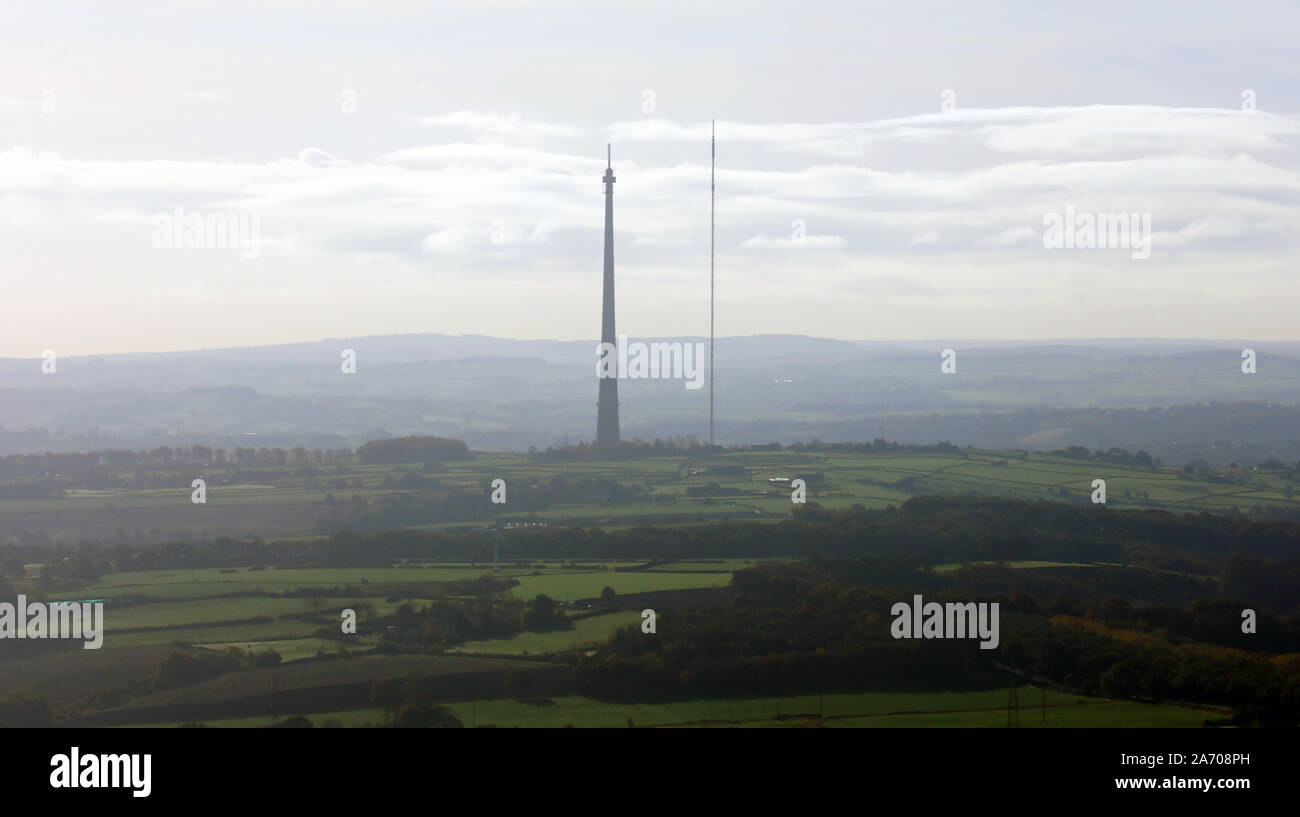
(607, 404)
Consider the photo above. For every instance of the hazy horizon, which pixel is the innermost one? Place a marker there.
(968, 343)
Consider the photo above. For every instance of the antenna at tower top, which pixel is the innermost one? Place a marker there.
(609, 156)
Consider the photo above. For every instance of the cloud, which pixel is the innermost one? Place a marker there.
(811, 242)
(1090, 130)
(453, 154)
(1013, 236)
(315, 157)
(14, 105)
(507, 126)
(956, 205)
(452, 239)
(432, 197)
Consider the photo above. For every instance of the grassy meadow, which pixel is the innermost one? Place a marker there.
(986, 709)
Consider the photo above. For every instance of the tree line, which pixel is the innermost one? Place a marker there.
(924, 531)
(824, 626)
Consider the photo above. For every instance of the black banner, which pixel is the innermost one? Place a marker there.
(1218, 767)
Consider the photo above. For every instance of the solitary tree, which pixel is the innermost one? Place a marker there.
(24, 710)
(388, 694)
(427, 716)
(519, 683)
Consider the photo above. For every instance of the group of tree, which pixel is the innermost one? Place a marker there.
(825, 626)
(23, 710)
(876, 446)
(182, 668)
(622, 450)
(1114, 455)
(167, 458)
(443, 622)
(411, 704)
(412, 449)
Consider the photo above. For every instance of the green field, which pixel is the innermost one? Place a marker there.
(181, 584)
(585, 632)
(283, 505)
(293, 649)
(260, 632)
(196, 612)
(565, 586)
(194, 606)
(555, 580)
(873, 709)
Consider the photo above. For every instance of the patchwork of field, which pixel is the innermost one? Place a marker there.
(873, 481)
(666, 490)
(875, 709)
(149, 615)
(203, 607)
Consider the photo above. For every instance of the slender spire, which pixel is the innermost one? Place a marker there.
(607, 402)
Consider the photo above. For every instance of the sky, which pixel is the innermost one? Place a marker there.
(884, 171)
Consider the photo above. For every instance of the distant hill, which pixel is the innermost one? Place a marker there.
(504, 394)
